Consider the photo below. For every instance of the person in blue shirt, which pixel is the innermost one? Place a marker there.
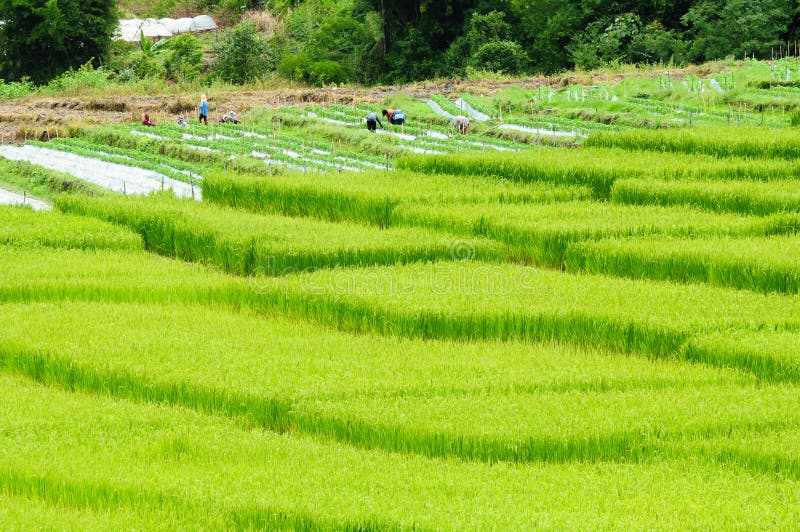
(203, 109)
(372, 122)
(396, 117)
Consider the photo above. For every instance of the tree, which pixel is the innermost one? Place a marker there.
(43, 38)
(547, 28)
(734, 27)
(185, 57)
(242, 56)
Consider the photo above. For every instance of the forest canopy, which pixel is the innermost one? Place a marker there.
(375, 41)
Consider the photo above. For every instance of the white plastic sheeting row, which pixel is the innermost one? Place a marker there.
(12, 198)
(131, 29)
(116, 177)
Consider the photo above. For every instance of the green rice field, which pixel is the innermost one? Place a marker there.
(419, 331)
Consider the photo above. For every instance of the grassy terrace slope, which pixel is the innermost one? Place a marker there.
(599, 168)
(24, 227)
(370, 197)
(542, 233)
(745, 196)
(349, 388)
(173, 467)
(244, 243)
(455, 301)
(720, 142)
(415, 329)
(763, 264)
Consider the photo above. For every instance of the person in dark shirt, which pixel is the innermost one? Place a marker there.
(373, 121)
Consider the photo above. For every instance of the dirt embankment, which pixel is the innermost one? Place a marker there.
(47, 117)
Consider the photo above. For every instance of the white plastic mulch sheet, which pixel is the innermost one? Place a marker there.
(12, 198)
(474, 113)
(312, 114)
(116, 177)
(540, 131)
(438, 109)
(404, 136)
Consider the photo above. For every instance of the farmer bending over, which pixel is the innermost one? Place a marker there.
(372, 122)
(230, 117)
(396, 117)
(460, 122)
(146, 120)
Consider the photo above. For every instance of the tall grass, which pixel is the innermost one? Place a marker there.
(461, 301)
(298, 378)
(474, 301)
(158, 466)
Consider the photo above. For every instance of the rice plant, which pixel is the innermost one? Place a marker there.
(758, 198)
(245, 243)
(25, 228)
(718, 142)
(541, 233)
(370, 197)
(762, 264)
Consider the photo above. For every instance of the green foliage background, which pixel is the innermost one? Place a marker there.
(374, 41)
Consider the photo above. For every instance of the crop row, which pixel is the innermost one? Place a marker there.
(25, 227)
(371, 196)
(762, 264)
(442, 300)
(244, 243)
(260, 138)
(434, 134)
(120, 137)
(76, 459)
(543, 224)
(162, 162)
(40, 182)
(542, 233)
(599, 168)
(521, 300)
(94, 151)
(718, 142)
(298, 378)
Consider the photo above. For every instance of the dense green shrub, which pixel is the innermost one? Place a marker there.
(242, 56)
(185, 57)
(500, 56)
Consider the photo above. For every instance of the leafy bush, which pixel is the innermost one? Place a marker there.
(302, 67)
(43, 39)
(76, 80)
(185, 57)
(242, 56)
(500, 56)
(15, 89)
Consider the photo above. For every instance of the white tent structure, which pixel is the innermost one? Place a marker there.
(203, 23)
(154, 29)
(130, 30)
(178, 26)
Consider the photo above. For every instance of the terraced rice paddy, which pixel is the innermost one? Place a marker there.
(503, 335)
